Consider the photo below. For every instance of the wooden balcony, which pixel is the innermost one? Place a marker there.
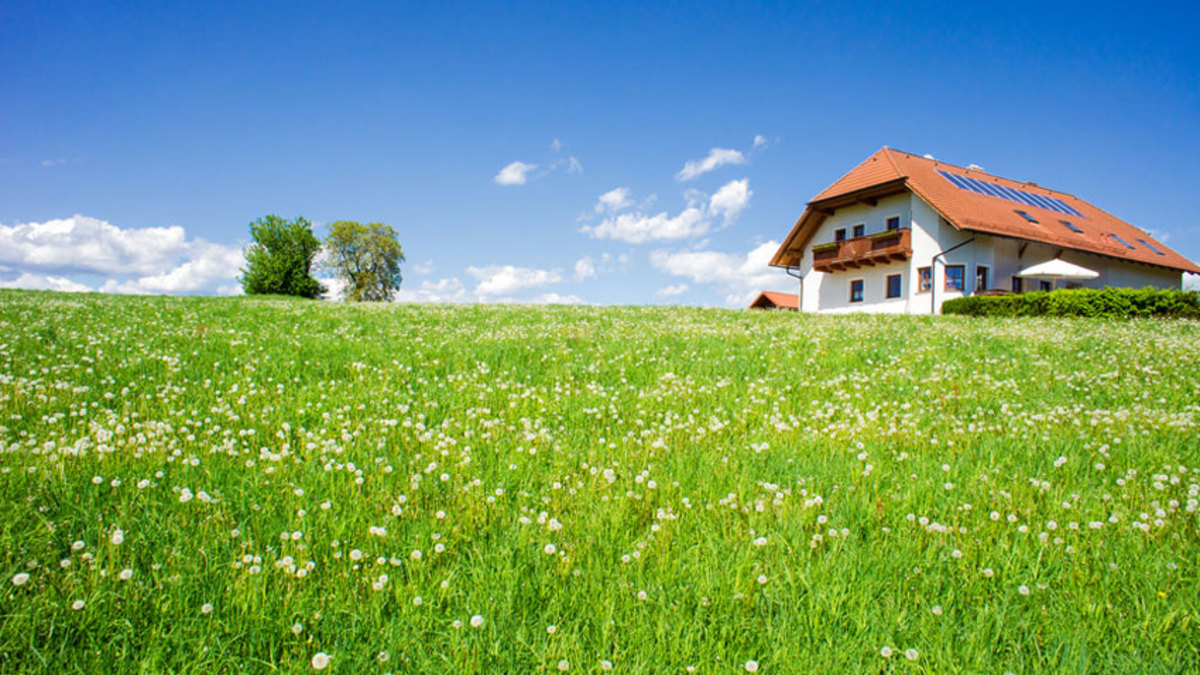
(867, 251)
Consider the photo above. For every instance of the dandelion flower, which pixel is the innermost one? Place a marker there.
(476, 621)
(549, 549)
(118, 537)
(320, 661)
(1023, 589)
(356, 555)
(77, 605)
(564, 665)
(125, 575)
(751, 666)
(382, 657)
(762, 579)
(20, 579)
(911, 654)
(297, 628)
(937, 610)
(606, 665)
(417, 601)
(551, 629)
(886, 652)
(987, 572)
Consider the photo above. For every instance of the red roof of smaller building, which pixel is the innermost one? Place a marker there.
(769, 299)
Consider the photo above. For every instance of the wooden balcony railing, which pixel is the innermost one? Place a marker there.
(873, 249)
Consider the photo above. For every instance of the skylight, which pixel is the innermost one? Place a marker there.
(1071, 226)
(1151, 246)
(1011, 194)
(1028, 217)
(1123, 242)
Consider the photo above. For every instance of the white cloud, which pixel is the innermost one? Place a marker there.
(760, 141)
(717, 157)
(443, 290)
(696, 220)
(514, 174)
(44, 282)
(614, 200)
(556, 299)
(502, 280)
(556, 145)
(731, 199)
(210, 265)
(82, 244)
(426, 267)
(146, 260)
(739, 277)
(573, 165)
(585, 268)
(672, 290)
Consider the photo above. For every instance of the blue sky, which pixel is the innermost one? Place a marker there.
(137, 142)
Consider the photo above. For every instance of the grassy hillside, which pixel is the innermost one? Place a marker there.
(229, 485)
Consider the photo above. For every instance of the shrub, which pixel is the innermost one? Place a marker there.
(1108, 303)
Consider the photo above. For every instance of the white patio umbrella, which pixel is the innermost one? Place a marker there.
(1057, 269)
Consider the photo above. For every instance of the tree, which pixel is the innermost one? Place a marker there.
(280, 259)
(366, 257)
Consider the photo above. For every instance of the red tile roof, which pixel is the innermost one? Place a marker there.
(768, 299)
(972, 211)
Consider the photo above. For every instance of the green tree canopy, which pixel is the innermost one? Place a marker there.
(279, 261)
(367, 258)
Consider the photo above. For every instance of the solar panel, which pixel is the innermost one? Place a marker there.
(1150, 246)
(1123, 242)
(1071, 226)
(1011, 194)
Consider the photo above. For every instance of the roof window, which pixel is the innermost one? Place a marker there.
(1028, 217)
(1071, 226)
(1122, 241)
(1151, 246)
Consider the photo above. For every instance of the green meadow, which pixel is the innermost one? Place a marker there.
(200, 485)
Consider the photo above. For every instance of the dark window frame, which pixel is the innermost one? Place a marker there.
(859, 286)
(985, 272)
(899, 290)
(890, 221)
(839, 234)
(860, 230)
(924, 279)
(961, 276)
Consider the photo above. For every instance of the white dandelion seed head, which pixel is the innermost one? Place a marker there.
(886, 652)
(564, 665)
(911, 654)
(20, 579)
(320, 661)
(206, 608)
(476, 621)
(77, 605)
(751, 666)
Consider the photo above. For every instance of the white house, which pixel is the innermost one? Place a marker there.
(902, 233)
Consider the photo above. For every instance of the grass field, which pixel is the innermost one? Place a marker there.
(238, 485)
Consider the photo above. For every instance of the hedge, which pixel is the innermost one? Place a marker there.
(1111, 303)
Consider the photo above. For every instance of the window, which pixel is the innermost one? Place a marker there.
(893, 286)
(1045, 286)
(860, 230)
(1016, 284)
(1028, 217)
(856, 290)
(1123, 242)
(954, 277)
(1071, 226)
(839, 235)
(924, 280)
(981, 278)
(1151, 246)
(893, 223)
